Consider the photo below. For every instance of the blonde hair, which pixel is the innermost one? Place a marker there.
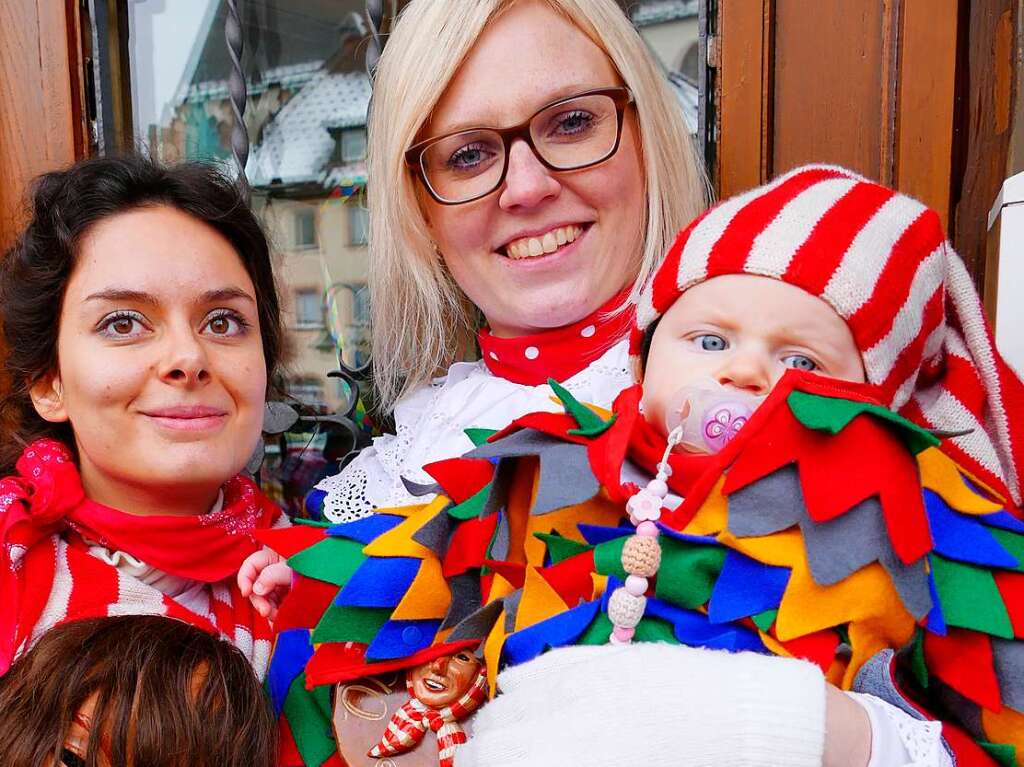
(421, 320)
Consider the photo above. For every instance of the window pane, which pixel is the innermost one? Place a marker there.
(305, 229)
(307, 308)
(358, 224)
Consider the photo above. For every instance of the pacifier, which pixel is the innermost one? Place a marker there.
(708, 415)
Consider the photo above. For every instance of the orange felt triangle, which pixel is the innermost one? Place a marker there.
(963, 660)
(1006, 726)
(428, 596)
(398, 542)
(540, 601)
(940, 474)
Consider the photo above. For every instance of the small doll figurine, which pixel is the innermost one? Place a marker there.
(442, 692)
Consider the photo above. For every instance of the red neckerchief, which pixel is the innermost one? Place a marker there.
(46, 498)
(647, 446)
(559, 353)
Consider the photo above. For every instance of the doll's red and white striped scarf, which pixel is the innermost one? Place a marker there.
(410, 723)
(48, 576)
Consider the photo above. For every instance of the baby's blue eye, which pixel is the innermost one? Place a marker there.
(709, 342)
(799, 362)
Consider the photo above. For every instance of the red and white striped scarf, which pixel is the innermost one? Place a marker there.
(410, 723)
(881, 260)
(49, 577)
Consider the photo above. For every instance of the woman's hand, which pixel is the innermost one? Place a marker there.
(658, 705)
(265, 579)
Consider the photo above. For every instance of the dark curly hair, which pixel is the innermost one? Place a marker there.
(34, 273)
(167, 694)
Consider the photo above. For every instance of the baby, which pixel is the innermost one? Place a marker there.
(822, 272)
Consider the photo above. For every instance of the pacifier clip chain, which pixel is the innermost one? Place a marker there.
(641, 554)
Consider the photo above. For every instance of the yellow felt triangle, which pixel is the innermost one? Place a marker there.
(600, 411)
(400, 511)
(782, 549)
(500, 588)
(492, 651)
(1006, 726)
(940, 474)
(869, 636)
(597, 511)
(711, 517)
(540, 601)
(600, 584)
(428, 597)
(398, 542)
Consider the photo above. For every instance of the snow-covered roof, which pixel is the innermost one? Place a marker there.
(296, 145)
(291, 76)
(648, 12)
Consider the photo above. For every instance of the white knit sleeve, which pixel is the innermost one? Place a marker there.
(900, 740)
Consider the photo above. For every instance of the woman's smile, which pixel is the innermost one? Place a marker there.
(191, 419)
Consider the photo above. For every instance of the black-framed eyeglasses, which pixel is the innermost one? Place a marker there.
(569, 134)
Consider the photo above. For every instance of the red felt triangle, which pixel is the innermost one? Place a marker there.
(468, 546)
(287, 752)
(963, 660)
(964, 749)
(289, 541)
(571, 578)
(607, 451)
(555, 424)
(819, 648)
(305, 604)
(1011, 589)
(337, 662)
(461, 478)
(513, 572)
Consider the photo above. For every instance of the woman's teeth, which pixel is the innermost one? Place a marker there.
(531, 247)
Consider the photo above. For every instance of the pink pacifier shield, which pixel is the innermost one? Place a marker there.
(722, 422)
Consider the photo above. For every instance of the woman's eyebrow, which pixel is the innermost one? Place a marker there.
(142, 297)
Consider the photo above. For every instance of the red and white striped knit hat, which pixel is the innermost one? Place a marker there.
(882, 261)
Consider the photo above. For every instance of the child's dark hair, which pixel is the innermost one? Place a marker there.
(167, 695)
(645, 344)
(34, 273)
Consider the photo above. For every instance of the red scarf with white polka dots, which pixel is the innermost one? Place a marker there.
(560, 353)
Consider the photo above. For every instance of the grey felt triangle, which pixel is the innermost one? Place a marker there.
(767, 506)
(436, 532)
(1009, 664)
(565, 476)
(418, 489)
(855, 539)
(477, 624)
(500, 543)
(466, 599)
(512, 609)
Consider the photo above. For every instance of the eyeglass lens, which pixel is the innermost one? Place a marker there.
(572, 134)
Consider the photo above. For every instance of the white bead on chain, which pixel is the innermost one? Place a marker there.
(641, 554)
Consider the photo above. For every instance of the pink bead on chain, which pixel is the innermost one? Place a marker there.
(641, 556)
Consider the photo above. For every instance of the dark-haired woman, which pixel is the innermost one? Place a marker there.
(133, 690)
(142, 325)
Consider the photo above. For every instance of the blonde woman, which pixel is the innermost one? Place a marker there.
(539, 234)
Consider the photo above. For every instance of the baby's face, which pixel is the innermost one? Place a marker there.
(744, 332)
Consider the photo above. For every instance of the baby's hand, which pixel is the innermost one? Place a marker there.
(265, 579)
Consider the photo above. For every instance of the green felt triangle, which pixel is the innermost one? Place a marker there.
(970, 598)
(590, 423)
(479, 436)
(350, 624)
(309, 721)
(688, 572)
(918, 667)
(608, 558)
(598, 632)
(561, 548)
(833, 414)
(472, 507)
(311, 522)
(1004, 753)
(332, 560)
(655, 630)
(765, 620)
(1012, 542)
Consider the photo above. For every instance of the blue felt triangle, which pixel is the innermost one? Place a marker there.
(292, 652)
(935, 621)
(400, 639)
(313, 503)
(959, 537)
(366, 529)
(694, 629)
(704, 540)
(595, 534)
(379, 582)
(557, 631)
(746, 587)
(1004, 520)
